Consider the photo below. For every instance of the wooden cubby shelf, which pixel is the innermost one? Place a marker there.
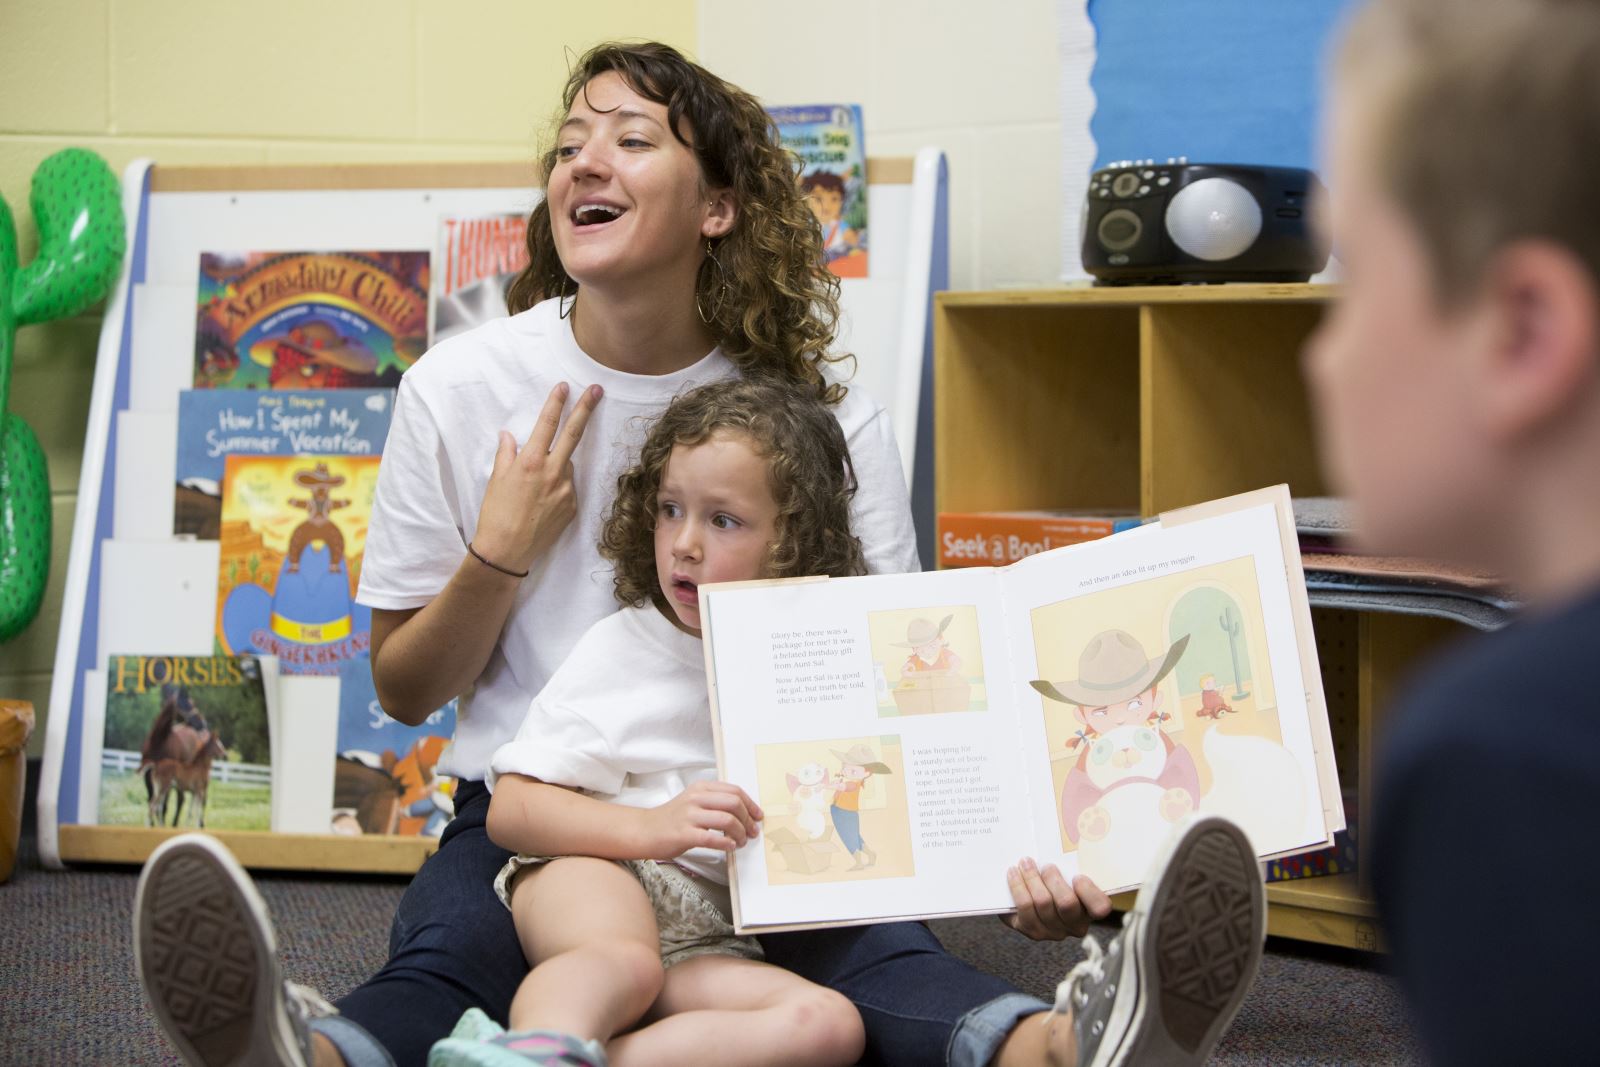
(1152, 399)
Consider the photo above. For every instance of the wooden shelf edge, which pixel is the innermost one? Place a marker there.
(1084, 295)
(1329, 910)
(257, 850)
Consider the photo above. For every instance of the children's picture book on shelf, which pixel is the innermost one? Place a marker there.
(830, 142)
(910, 736)
(293, 532)
(214, 424)
(479, 256)
(997, 538)
(309, 320)
(186, 742)
(386, 778)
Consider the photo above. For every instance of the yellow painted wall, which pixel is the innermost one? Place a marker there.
(293, 81)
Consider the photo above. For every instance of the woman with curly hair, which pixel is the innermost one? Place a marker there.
(619, 888)
(672, 248)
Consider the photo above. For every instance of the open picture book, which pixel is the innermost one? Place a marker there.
(911, 736)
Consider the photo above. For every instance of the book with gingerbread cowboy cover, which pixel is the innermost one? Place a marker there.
(310, 320)
(293, 532)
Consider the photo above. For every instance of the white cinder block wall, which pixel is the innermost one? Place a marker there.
(980, 80)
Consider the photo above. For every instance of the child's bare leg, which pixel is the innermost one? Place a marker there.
(731, 1010)
(589, 930)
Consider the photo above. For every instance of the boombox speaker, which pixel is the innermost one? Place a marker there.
(1149, 223)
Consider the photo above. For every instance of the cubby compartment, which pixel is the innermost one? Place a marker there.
(1157, 398)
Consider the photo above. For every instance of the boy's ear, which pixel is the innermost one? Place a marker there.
(722, 211)
(1547, 316)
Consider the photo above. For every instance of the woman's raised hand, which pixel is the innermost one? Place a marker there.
(530, 498)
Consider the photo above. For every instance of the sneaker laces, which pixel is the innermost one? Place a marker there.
(1087, 970)
(306, 1003)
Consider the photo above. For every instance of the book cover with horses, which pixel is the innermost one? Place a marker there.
(186, 743)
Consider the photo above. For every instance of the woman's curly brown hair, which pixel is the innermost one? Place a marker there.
(780, 310)
(808, 471)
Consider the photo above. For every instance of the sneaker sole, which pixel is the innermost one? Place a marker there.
(1197, 936)
(208, 960)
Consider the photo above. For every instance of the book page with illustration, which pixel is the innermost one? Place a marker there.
(911, 736)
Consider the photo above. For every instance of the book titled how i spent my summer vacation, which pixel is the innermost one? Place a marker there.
(910, 736)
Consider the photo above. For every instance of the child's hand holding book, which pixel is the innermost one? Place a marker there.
(708, 814)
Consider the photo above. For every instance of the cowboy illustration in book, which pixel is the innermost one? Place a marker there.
(929, 649)
(318, 525)
(1130, 780)
(313, 354)
(858, 763)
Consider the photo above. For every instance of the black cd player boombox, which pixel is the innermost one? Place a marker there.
(1149, 223)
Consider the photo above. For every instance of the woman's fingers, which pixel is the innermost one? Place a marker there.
(505, 451)
(1094, 899)
(572, 433)
(1048, 909)
(543, 434)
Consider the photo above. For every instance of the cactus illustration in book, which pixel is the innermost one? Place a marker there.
(77, 208)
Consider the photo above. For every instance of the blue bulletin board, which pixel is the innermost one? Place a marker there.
(1222, 81)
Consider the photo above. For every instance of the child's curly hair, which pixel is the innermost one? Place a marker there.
(780, 310)
(808, 470)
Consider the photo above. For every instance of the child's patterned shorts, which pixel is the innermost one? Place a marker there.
(693, 914)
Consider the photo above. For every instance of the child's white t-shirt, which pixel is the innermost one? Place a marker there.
(625, 718)
(450, 410)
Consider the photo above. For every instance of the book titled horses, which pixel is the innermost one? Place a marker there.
(186, 743)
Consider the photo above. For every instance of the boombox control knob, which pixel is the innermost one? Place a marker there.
(1126, 184)
(1120, 229)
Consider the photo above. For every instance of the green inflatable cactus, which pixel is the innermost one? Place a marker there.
(77, 207)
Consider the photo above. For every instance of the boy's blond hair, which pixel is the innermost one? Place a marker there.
(1483, 123)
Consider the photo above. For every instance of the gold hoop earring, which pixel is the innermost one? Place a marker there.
(722, 290)
(564, 308)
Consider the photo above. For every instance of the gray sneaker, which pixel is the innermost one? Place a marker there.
(1166, 987)
(209, 963)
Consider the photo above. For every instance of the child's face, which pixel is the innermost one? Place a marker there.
(1131, 712)
(826, 204)
(715, 521)
(1390, 369)
(930, 651)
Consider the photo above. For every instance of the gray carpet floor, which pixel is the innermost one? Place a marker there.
(69, 994)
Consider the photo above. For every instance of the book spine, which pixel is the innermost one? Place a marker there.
(998, 539)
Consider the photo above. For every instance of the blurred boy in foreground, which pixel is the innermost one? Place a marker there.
(1457, 385)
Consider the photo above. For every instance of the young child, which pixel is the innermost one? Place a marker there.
(1457, 383)
(607, 793)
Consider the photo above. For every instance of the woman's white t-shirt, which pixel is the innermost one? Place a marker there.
(450, 410)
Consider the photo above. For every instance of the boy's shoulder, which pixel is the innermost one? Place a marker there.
(1493, 690)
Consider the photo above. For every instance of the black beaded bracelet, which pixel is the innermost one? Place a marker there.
(493, 564)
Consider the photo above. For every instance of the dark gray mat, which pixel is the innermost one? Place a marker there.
(69, 995)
